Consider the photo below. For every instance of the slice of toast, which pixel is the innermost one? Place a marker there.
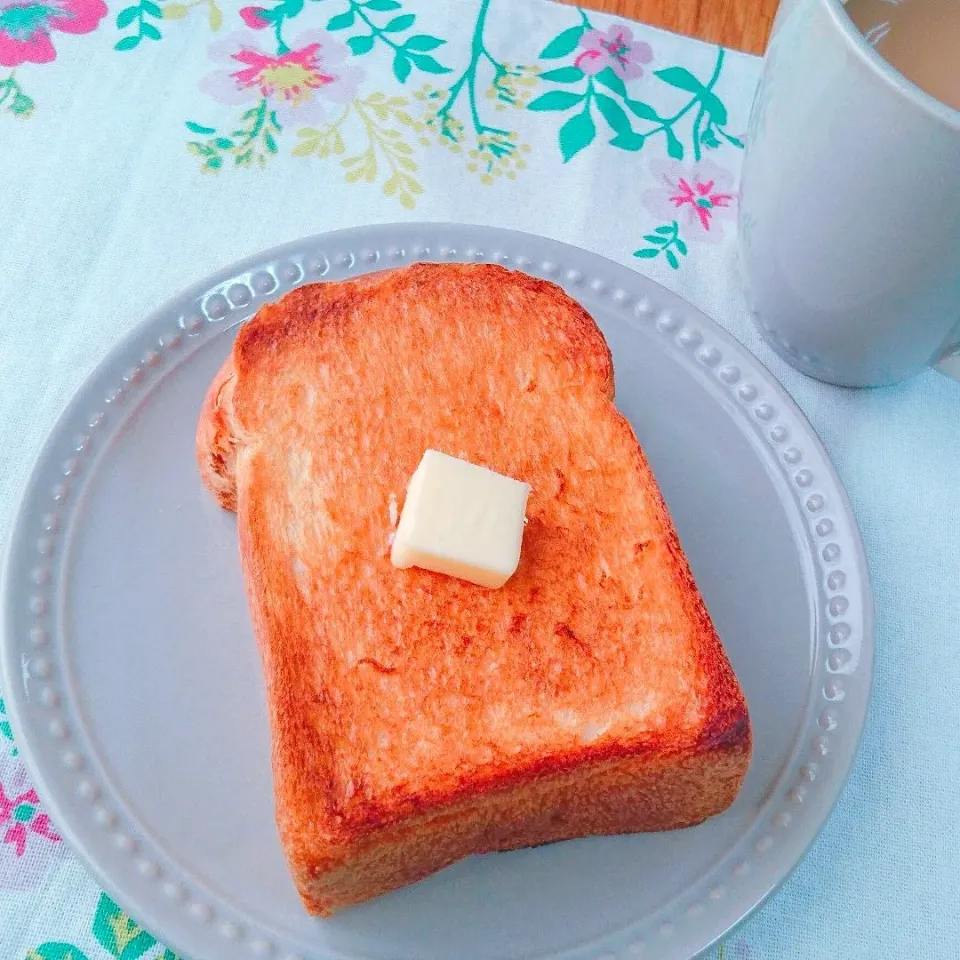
(417, 718)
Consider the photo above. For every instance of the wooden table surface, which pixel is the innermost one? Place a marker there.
(739, 24)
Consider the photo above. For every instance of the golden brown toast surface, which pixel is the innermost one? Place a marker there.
(408, 707)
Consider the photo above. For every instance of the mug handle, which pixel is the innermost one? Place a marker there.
(948, 362)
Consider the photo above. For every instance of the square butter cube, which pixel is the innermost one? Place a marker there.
(462, 520)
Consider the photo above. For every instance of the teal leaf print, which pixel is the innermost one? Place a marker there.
(556, 100)
(398, 24)
(709, 139)
(5, 729)
(120, 936)
(612, 82)
(139, 14)
(56, 951)
(681, 78)
(426, 63)
(562, 44)
(170, 955)
(361, 44)
(343, 21)
(422, 42)
(13, 100)
(642, 110)
(563, 75)
(628, 140)
(674, 146)
(253, 142)
(407, 54)
(714, 107)
(578, 132)
(614, 114)
(665, 241)
(401, 66)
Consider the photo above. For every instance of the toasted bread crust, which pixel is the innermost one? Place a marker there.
(416, 719)
(216, 439)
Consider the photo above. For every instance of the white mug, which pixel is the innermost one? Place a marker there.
(850, 207)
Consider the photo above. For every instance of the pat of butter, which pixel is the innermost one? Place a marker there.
(462, 520)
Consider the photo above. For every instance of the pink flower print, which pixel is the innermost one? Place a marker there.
(615, 49)
(254, 17)
(25, 27)
(292, 75)
(297, 84)
(700, 196)
(24, 817)
(24, 857)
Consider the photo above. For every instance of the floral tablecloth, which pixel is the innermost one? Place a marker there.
(145, 144)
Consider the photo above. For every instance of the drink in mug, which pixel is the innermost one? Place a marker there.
(920, 38)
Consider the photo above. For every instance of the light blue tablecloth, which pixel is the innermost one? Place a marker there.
(144, 147)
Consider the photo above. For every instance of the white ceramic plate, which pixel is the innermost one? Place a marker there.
(133, 682)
